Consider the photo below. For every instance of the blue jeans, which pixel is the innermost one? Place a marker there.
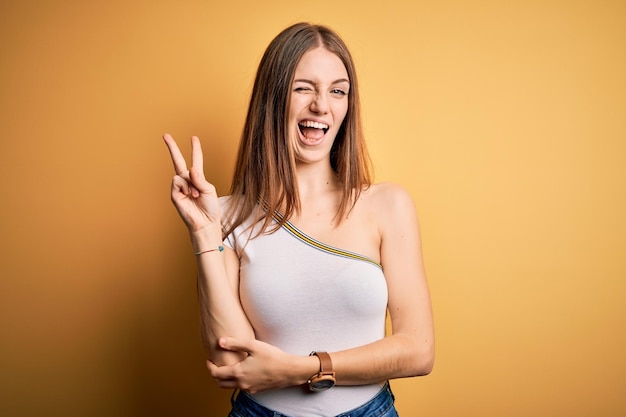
(379, 406)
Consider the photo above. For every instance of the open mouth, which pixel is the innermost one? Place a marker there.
(312, 130)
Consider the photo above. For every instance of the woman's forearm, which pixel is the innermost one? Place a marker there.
(396, 356)
(221, 313)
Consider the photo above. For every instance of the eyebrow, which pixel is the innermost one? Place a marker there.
(302, 80)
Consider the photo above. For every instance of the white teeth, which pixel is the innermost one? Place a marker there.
(315, 125)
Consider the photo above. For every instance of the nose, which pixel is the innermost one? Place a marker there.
(319, 104)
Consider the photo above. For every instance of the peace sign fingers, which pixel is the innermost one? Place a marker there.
(180, 166)
(195, 199)
(197, 159)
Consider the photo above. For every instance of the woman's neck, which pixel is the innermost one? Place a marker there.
(315, 179)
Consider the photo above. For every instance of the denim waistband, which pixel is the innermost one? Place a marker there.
(379, 406)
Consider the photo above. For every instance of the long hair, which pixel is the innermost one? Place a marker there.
(264, 181)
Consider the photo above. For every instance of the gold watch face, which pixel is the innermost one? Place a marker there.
(322, 383)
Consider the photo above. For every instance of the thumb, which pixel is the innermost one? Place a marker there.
(236, 345)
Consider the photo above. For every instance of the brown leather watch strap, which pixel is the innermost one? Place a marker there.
(325, 378)
(326, 364)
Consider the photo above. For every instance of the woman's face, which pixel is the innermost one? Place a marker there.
(319, 103)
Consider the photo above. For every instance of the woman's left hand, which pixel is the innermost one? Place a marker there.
(265, 367)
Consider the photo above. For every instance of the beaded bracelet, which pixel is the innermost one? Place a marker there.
(219, 248)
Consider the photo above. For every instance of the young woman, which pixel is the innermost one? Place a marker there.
(299, 266)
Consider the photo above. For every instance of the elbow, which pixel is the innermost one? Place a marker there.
(219, 355)
(222, 357)
(422, 360)
(426, 366)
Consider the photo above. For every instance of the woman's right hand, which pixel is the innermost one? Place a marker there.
(193, 196)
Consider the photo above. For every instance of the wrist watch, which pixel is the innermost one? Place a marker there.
(325, 378)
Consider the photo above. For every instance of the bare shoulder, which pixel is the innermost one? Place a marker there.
(387, 189)
(392, 208)
(389, 198)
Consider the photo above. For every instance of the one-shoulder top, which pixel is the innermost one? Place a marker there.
(302, 295)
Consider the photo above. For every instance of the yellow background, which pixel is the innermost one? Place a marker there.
(505, 120)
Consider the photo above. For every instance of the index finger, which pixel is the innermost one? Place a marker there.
(177, 157)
